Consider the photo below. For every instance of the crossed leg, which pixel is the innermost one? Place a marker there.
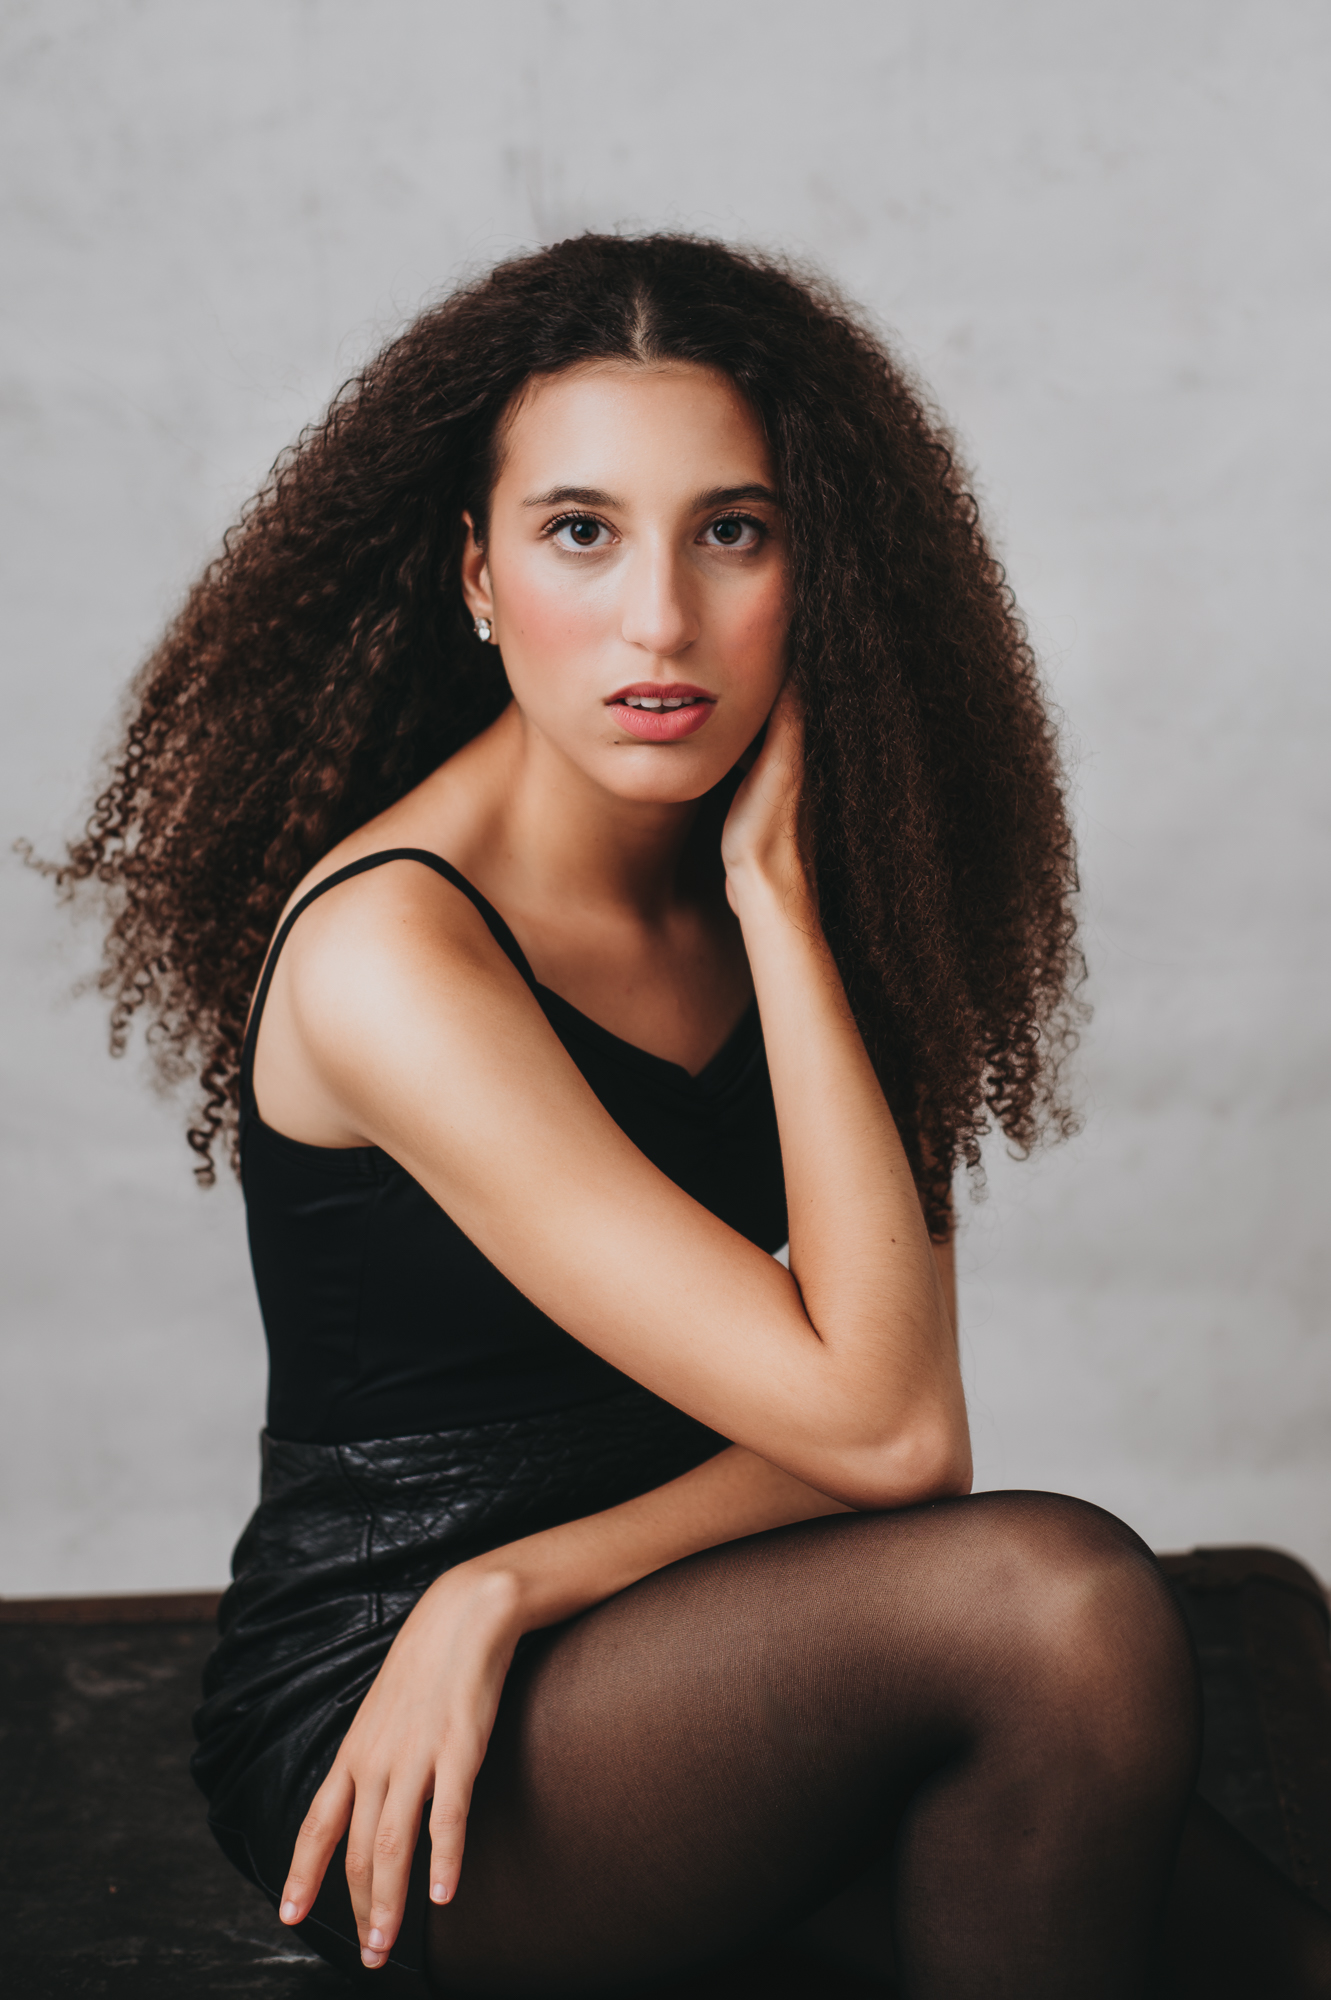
(989, 1704)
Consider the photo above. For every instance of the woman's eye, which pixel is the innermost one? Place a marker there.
(578, 531)
(735, 531)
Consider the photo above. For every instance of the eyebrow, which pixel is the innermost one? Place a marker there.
(728, 496)
(592, 496)
(583, 496)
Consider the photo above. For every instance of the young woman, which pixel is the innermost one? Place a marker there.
(595, 823)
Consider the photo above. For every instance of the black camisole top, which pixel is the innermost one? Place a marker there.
(383, 1319)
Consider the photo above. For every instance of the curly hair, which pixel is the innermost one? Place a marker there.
(325, 663)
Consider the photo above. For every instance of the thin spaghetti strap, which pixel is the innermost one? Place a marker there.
(499, 930)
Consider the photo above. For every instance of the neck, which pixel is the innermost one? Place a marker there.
(547, 836)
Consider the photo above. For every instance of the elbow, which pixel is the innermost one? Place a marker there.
(926, 1461)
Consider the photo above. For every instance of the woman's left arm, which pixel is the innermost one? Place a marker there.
(421, 1731)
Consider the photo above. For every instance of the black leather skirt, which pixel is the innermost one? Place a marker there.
(346, 1537)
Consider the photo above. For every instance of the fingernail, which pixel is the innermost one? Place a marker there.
(438, 1893)
(368, 1957)
(376, 1940)
(289, 1912)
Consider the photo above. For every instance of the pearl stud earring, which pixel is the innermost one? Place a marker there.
(483, 630)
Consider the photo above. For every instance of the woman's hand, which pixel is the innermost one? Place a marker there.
(420, 1733)
(761, 833)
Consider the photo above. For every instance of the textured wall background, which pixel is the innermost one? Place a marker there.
(1101, 232)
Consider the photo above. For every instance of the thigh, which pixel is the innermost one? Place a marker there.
(670, 1778)
(704, 1760)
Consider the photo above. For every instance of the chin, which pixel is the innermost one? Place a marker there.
(671, 785)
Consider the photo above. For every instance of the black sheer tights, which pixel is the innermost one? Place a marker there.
(955, 1745)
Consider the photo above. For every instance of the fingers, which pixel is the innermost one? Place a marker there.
(322, 1828)
(380, 1845)
(380, 1848)
(787, 710)
(448, 1831)
(785, 737)
(379, 1853)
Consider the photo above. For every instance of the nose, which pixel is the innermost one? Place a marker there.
(658, 615)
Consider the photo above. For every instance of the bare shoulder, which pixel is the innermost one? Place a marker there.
(387, 970)
(388, 942)
(398, 907)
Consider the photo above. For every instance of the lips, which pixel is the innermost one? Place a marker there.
(661, 711)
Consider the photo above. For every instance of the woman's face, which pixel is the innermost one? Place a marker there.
(635, 573)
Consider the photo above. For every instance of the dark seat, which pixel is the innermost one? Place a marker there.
(1260, 1623)
(110, 1883)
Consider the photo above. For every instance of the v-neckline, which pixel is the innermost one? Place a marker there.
(503, 933)
(661, 1064)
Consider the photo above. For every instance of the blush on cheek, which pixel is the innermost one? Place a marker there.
(762, 612)
(550, 644)
(755, 641)
(527, 606)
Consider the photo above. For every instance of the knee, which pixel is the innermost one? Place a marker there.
(1078, 1602)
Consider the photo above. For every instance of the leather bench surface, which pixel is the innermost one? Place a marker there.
(1260, 1624)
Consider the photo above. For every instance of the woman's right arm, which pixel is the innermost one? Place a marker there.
(842, 1371)
(869, 1279)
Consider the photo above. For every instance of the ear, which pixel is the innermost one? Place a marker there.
(476, 575)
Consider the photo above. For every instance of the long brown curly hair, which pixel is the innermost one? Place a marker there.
(325, 663)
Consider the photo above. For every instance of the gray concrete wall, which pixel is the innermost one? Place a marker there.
(1101, 233)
